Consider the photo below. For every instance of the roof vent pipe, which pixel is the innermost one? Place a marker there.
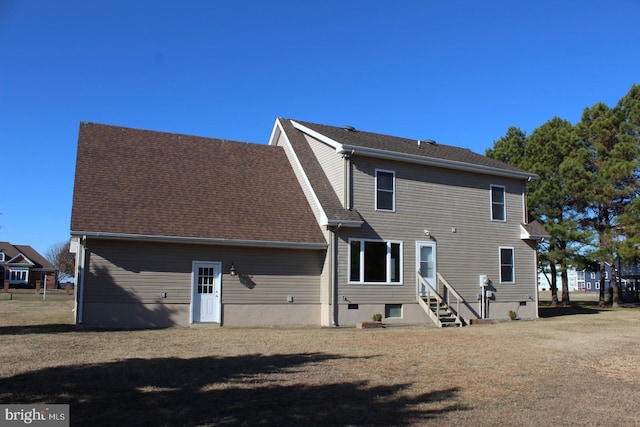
(349, 128)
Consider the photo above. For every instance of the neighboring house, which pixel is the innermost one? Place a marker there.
(324, 226)
(629, 279)
(589, 279)
(23, 266)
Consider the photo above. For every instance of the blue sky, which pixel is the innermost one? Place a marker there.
(458, 72)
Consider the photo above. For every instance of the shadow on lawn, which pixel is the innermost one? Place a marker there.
(244, 390)
(546, 311)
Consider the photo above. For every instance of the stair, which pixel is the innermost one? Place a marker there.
(442, 312)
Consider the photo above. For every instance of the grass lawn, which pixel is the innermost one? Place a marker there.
(572, 367)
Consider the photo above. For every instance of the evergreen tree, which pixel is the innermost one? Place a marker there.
(609, 184)
(549, 200)
(510, 148)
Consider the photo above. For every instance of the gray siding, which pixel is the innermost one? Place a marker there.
(332, 164)
(138, 272)
(455, 207)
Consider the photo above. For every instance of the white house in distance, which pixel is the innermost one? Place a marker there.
(323, 226)
(544, 280)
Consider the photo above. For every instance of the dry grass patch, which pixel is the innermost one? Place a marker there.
(562, 370)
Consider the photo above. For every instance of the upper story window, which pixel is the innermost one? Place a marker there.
(385, 190)
(375, 261)
(1, 256)
(498, 211)
(507, 265)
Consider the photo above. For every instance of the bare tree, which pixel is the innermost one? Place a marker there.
(58, 255)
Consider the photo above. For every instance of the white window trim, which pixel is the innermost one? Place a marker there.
(504, 204)
(513, 265)
(393, 191)
(388, 282)
(18, 272)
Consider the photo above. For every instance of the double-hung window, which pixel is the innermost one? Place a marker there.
(507, 265)
(385, 190)
(375, 261)
(498, 211)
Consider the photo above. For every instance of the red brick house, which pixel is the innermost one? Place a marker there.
(23, 266)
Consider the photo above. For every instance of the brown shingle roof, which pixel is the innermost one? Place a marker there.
(11, 251)
(394, 144)
(535, 230)
(132, 181)
(318, 179)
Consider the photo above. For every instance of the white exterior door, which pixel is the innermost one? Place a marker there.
(426, 264)
(206, 291)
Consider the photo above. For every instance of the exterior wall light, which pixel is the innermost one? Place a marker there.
(232, 270)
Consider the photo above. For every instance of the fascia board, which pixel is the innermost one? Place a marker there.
(20, 255)
(335, 144)
(275, 132)
(200, 240)
(430, 161)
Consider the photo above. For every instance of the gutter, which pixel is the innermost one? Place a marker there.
(430, 161)
(200, 240)
(343, 223)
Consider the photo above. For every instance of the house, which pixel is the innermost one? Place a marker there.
(544, 279)
(23, 266)
(628, 276)
(323, 226)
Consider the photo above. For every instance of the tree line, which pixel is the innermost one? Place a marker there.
(586, 192)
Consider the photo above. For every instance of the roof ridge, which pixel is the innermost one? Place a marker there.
(167, 133)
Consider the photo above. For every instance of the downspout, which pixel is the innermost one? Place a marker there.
(79, 279)
(333, 256)
(347, 202)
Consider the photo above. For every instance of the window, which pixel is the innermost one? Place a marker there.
(593, 275)
(18, 276)
(393, 311)
(497, 203)
(507, 274)
(1, 256)
(375, 261)
(385, 190)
